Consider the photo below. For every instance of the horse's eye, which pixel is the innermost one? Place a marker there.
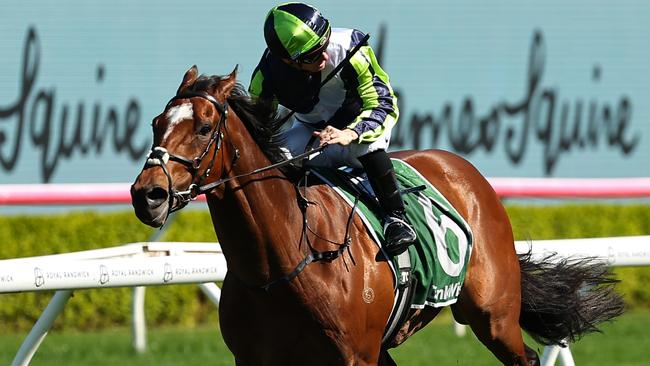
(205, 129)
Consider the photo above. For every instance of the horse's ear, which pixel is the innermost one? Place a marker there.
(229, 82)
(188, 79)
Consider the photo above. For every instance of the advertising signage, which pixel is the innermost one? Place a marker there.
(521, 89)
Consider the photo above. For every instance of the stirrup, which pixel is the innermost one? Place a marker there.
(399, 235)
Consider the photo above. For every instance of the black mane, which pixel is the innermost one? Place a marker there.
(262, 121)
(259, 117)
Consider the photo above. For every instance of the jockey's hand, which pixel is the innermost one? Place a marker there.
(331, 135)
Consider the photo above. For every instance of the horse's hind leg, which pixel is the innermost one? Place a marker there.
(490, 301)
(497, 327)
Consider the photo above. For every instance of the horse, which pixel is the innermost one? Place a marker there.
(279, 308)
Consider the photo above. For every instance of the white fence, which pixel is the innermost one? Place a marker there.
(137, 264)
(132, 265)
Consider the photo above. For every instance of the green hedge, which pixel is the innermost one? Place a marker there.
(22, 236)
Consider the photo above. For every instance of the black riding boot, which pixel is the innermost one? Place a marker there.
(398, 233)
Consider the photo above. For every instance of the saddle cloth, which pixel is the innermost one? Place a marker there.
(440, 255)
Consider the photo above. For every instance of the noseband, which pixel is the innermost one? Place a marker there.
(159, 156)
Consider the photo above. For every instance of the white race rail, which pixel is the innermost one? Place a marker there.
(138, 264)
(132, 265)
(620, 251)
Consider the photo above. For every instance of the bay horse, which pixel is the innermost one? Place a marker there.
(277, 309)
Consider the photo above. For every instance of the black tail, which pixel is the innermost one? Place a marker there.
(563, 299)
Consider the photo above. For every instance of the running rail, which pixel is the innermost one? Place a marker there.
(132, 265)
(119, 193)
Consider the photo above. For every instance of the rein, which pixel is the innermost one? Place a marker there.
(195, 190)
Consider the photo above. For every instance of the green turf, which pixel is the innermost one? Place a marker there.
(624, 342)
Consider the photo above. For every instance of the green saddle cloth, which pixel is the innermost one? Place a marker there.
(440, 255)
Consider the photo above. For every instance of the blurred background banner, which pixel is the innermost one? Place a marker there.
(521, 88)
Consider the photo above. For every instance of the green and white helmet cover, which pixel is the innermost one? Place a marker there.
(293, 30)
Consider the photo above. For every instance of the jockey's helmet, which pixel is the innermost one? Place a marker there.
(296, 31)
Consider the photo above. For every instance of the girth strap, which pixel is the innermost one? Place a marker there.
(404, 293)
(314, 256)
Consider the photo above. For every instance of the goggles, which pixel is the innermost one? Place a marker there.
(314, 55)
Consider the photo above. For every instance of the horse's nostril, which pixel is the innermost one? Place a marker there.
(156, 196)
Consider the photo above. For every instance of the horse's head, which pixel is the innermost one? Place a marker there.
(187, 139)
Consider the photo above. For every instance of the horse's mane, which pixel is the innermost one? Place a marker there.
(261, 120)
(259, 116)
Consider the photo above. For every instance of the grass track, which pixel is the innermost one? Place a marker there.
(624, 343)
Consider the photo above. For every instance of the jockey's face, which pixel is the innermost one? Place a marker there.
(313, 67)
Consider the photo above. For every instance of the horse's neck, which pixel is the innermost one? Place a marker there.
(257, 218)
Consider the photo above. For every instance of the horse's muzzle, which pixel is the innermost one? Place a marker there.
(151, 204)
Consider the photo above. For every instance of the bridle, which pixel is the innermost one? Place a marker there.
(159, 156)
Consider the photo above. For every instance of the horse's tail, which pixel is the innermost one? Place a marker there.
(563, 299)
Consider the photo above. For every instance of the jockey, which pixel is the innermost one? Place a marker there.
(353, 113)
